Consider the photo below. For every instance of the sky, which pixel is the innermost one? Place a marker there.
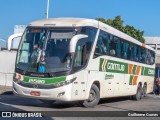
(142, 14)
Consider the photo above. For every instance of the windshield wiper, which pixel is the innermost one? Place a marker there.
(26, 70)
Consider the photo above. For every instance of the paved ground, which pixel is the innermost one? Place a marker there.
(13, 103)
(150, 103)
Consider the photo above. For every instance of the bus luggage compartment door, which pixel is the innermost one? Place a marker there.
(79, 86)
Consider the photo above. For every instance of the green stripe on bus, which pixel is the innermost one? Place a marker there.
(134, 69)
(142, 70)
(43, 80)
(131, 79)
(148, 71)
(121, 67)
(101, 62)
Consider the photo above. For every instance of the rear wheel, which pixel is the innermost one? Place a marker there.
(144, 90)
(48, 101)
(139, 93)
(94, 97)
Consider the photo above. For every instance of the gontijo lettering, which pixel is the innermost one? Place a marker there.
(113, 66)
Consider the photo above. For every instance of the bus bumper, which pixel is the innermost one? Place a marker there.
(62, 93)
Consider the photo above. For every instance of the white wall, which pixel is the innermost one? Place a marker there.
(7, 67)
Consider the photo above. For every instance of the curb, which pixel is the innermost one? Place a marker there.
(5, 90)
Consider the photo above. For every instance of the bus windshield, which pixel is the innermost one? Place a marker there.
(44, 50)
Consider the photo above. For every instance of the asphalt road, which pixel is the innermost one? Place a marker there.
(13, 103)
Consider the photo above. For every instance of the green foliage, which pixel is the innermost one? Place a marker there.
(117, 23)
(101, 19)
(109, 22)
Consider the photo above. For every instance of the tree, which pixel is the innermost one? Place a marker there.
(102, 20)
(109, 22)
(117, 23)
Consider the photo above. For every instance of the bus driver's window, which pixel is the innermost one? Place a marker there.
(78, 60)
(80, 54)
(99, 50)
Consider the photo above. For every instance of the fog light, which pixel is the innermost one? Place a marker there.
(61, 94)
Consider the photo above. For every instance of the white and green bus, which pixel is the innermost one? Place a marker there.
(75, 59)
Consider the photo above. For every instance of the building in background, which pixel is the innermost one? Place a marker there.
(8, 58)
(17, 29)
(154, 42)
(15, 42)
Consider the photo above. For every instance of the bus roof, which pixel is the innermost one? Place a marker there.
(65, 22)
(77, 22)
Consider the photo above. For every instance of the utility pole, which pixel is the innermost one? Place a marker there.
(47, 9)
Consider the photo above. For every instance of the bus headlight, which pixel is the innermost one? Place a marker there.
(65, 82)
(17, 77)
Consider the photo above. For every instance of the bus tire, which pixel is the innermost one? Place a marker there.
(49, 102)
(144, 91)
(138, 95)
(94, 97)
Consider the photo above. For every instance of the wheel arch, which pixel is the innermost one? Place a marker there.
(145, 84)
(97, 83)
(140, 83)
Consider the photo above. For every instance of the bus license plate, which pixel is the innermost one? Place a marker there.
(35, 93)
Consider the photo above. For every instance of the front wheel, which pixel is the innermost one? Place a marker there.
(94, 97)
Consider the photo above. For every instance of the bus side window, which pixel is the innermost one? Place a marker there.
(99, 47)
(112, 46)
(91, 32)
(147, 56)
(125, 50)
(118, 48)
(152, 57)
(106, 42)
(139, 55)
(122, 51)
(143, 54)
(130, 52)
(135, 58)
